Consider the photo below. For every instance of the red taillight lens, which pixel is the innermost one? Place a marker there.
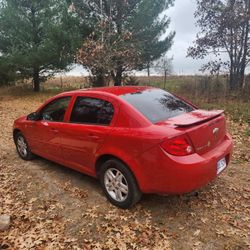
(179, 146)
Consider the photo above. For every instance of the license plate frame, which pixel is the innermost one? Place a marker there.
(221, 165)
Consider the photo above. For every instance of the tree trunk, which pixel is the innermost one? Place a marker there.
(231, 79)
(165, 78)
(245, 51)
(36, 80)
(98, 77)
(242, 80)
(148, 69)
(242, 76)
(98, 80)
(118, 76)
(119, 70)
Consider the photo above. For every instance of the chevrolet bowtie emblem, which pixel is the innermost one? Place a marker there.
(215, 131)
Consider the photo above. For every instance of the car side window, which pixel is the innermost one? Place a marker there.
(55, 110)
(89, 110)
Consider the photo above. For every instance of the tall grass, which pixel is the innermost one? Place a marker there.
(208, 93)
(205, 92)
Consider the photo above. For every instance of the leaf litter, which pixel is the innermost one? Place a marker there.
(55, 208)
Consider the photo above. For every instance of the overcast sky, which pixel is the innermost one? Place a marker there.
(183, 23)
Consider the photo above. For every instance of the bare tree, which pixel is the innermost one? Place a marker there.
(165, 67)
(224, 28)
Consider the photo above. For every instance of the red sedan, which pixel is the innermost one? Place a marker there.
(133, 139)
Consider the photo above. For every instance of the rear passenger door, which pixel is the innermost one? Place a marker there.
(89, 125)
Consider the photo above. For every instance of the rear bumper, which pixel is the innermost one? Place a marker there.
(170, 174)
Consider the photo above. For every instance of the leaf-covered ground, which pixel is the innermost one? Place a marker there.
(52, 207)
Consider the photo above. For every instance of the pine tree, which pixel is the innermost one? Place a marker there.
(7, 72)
(38, 38)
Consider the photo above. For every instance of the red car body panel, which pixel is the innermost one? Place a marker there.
(136, 141)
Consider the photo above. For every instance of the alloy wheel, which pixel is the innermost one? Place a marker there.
(22, 146)
(116, 184)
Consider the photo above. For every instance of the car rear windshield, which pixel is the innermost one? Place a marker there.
(157, 104)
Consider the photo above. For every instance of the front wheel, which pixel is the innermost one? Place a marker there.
(119, 184)
(22, 147)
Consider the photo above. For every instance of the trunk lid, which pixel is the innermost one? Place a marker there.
(206, 129)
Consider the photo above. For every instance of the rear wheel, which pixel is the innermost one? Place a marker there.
(22, 147)
(119, 184)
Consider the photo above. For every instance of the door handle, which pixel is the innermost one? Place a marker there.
(54, 130)
(94, 137)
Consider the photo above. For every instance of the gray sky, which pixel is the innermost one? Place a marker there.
(183, 22)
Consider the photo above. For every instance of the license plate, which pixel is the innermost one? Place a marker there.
(221, 164)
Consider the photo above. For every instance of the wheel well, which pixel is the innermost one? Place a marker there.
(15, 132)
(100, 161)
(103, 159)
(107, 157)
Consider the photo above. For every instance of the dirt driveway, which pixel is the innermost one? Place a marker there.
(52, 207)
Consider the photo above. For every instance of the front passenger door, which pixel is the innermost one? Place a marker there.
(46, 131)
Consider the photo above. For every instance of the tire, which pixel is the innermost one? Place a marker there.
(22, 147)
(119, 184)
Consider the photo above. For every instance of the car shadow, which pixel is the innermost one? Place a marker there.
(152, 202)
(65, 174)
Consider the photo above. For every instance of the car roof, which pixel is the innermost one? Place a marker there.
(117, 90)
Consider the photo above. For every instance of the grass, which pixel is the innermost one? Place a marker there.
(208, 93)
(205, 92)
(238, 110)
(237, 107)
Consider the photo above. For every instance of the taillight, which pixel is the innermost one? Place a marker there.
(179, 146)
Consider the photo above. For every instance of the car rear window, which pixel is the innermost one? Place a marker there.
(157, 104)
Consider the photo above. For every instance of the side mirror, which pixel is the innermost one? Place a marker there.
(33, 116)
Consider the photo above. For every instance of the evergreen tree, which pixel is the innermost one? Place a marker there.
(38, 38)
(7, 72)
(126, 32)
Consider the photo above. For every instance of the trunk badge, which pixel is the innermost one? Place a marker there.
(205, 146)
(215, 131)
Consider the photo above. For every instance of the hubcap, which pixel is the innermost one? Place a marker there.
(116, 184)
(22, 146)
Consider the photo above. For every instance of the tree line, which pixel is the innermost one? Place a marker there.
(39, 38)
(108, 37)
